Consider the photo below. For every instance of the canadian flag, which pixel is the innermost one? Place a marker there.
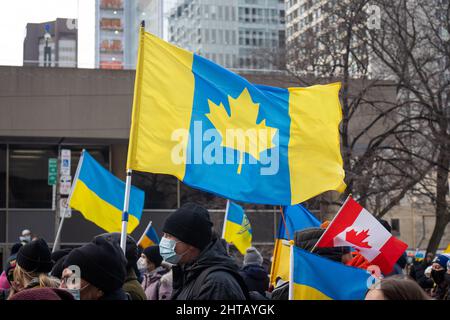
(355, 226)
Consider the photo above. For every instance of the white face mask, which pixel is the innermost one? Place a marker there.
(26, 239)
(142, 264)
(167, 251)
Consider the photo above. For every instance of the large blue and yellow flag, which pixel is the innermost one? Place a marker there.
(236, 227)
(99, 195)
(316, 278)
(217, 132)
(149, 237)
(296, 217)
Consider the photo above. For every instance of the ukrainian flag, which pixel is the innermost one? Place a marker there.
(217, 132)
(296, 217)
(236, 228)
(98, 195)
(149, 237)
(317, 278)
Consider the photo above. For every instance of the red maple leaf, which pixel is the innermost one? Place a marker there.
(358, 238)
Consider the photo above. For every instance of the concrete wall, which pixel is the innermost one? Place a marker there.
(65, 102)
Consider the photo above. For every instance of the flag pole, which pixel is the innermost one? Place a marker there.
(58, 233)
(285, 226)
(291, 274)
(349, 196)
(145, 232)
(77, 173)
(126, 204)
(225, 217)
(126, 199)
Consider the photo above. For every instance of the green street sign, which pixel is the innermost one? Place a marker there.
(52, 171)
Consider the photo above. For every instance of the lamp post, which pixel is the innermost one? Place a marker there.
(47, 49)
(413, 201)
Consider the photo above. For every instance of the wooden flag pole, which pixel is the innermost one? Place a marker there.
(126, 205)
(145, 232)
(291, 274)
(285, 226)
(315, 245)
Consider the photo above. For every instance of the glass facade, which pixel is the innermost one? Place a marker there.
(235, 34)
(28, 173)
(28, 186)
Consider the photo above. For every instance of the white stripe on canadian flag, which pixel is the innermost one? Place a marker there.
(354, 226)
(365, 234)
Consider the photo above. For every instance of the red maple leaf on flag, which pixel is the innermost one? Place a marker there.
(358, 238)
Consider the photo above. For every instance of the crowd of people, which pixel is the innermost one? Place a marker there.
(191, 262)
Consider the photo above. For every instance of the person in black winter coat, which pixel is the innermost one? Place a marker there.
(417, 272)
(202, 269)
(253, 273)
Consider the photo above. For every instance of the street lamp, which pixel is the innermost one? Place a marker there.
(47, 49)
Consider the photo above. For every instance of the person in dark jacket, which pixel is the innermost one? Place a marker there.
(131, 285)
(102, 267)
(253, 272)
(438, 272)
(202, 268)
(417, 272)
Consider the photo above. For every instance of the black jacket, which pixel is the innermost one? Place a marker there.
(417, 272)
(119, 294)
(255, 278)
(218, 285)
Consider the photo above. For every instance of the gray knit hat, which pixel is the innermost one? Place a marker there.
(252, 256)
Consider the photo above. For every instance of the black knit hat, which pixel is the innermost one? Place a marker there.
(35, 257)
(191, 224)
(58, 254)
(152, 254)
(131, 250)
(102, 263)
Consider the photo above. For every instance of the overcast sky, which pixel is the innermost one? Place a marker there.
(15, 14)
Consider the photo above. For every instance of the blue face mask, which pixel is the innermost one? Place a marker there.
(167, 250)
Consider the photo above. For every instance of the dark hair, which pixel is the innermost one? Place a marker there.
(401, 287)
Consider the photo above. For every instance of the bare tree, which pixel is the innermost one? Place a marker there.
(413, 44)
(380, 161)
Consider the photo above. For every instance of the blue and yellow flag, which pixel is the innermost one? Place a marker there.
(316, 278)
(149, 237)
(236, 227)
(296, 217)
(99, 195)
(217, 132)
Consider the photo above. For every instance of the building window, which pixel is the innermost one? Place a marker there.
(220, 36)
(395, 224)
(28, 170)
